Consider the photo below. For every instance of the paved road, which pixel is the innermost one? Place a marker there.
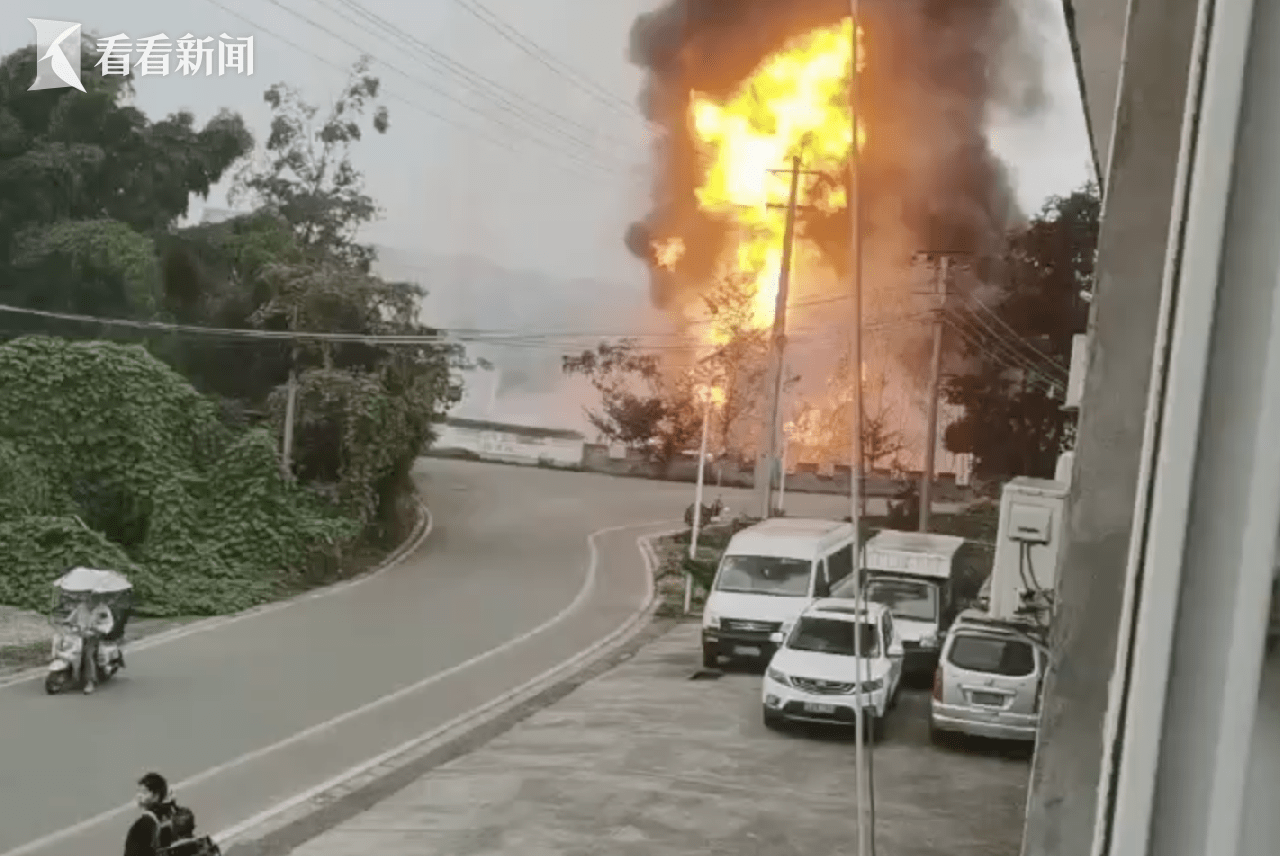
(643, 760)
(509, 552)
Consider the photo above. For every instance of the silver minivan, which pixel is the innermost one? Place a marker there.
(989, 679)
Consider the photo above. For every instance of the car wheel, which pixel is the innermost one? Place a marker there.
(937, 736)
(710, 656)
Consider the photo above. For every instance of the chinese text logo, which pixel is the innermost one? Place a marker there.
(155, 53)
(57, 54)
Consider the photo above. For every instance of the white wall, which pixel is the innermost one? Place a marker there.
(511, 447)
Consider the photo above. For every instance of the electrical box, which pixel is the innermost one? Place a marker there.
(1030, 523)
(1024, 573)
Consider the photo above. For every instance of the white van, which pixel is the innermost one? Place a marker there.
(769, 573)
(912, 573)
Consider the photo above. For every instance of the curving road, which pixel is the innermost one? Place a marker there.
(245, 714)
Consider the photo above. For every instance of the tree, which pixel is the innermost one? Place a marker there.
(738, 365)
(310, 179)
(1013, 423)
(87, 182)
(365, 411)
(641, 406)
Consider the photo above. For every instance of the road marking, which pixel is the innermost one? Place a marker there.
(588, 585)
(643, 543)
(207, 624)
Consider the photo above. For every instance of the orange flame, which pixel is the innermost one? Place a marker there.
(795, 104)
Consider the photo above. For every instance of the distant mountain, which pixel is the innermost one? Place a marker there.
(467, 292)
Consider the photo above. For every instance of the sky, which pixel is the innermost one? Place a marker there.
(461, 174)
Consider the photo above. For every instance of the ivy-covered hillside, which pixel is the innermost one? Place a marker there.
(155, 453)
(108, 458)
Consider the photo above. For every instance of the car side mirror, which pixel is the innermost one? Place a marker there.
(775, 637)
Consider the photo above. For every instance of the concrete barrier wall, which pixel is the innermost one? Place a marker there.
(510, 447)
(805, 478)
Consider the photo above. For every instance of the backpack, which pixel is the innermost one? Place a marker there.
(175, 834)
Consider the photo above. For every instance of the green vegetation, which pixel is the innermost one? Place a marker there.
(157, 453)
(112, 460)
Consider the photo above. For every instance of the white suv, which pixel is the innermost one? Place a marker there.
(813, 676)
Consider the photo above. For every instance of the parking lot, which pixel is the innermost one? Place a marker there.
(646, 760)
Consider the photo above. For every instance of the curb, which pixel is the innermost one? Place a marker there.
(337, 801)
(416, 538)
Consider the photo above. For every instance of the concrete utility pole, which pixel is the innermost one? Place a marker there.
(777, 367)
(941, 284)
(1072, 776)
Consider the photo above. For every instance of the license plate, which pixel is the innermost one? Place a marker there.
(988, 699)
(814, 707)
(746, 650)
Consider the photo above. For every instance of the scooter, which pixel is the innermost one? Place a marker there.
(66, 665)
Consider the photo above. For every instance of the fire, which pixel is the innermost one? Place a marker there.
(668, 252)
(795, 104)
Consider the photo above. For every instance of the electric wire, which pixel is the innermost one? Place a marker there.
(499, 142)
(442, 336)
(523, 131)
(494, 21)
(444, 93)
(998, 339)
(976, 300)
(529, 109)
(977, 343)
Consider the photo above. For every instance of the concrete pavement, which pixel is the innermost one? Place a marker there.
(644, 760)
(248, 714)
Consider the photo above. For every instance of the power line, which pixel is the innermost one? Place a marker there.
(539, 115)
(1022, 339)
(511, 338)
(976, 342)
(472, 132)
(495, 22)
(1048, 370)
(448, 95)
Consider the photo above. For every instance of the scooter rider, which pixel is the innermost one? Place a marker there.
(92, 622)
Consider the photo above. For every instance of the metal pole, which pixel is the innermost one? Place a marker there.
(765, 488)
(935, 382)
(697, 505)
(855, 428)
(290, 407)
(782, 473)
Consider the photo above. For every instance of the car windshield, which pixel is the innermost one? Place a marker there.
(909, 599)
(993, 655)
(833, 636)
(764, 575)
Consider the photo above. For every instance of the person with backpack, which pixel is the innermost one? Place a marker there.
(152, 831)
(165, 828)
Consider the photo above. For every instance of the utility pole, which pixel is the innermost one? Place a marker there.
(764, 487)
(290, 406)
(927, 477)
